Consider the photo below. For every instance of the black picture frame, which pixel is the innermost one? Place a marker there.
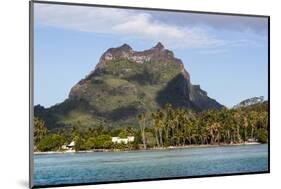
(31, 89)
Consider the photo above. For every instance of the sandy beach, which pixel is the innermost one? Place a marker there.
(149, 149)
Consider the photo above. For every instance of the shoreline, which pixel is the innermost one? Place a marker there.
(149, 149)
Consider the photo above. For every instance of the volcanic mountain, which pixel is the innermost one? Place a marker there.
(125, 83)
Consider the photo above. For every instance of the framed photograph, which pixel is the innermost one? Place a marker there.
(127, 94)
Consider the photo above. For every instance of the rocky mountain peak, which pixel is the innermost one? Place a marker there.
(158, 53)
(125, 47)
(159, 46)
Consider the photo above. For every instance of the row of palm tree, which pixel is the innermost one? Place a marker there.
(174, 127)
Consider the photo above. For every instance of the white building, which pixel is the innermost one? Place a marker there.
(119, 140)
(252, 140)
(69, 146)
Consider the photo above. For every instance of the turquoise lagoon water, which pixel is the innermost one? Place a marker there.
(72, 168)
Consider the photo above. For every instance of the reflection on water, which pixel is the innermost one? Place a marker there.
(73, 168)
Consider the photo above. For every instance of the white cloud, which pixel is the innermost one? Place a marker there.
(126, 23)
(145, 26)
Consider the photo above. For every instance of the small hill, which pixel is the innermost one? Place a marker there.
(249, 102)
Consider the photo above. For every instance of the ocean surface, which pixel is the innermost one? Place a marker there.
(73, 168)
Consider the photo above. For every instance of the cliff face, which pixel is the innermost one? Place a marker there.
(126, 82)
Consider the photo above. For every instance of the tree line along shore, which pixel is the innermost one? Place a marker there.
(165, 128)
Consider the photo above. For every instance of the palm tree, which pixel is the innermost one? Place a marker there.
(40, 130)
(161, 126)
(142, 123)
(168, 122)
(253, 120)
(211, 129)
(245, 127)
(154, 120)
(217, 128)
(237, 123)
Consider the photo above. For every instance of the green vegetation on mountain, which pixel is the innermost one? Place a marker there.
(124, 84)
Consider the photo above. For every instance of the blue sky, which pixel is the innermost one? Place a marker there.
(226, 55)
